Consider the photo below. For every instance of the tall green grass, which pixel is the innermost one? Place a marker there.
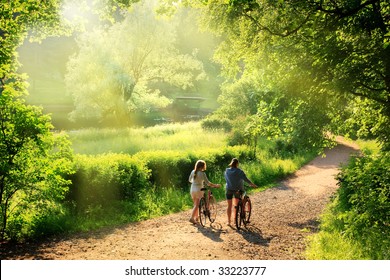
(331, 243)
(168, 137)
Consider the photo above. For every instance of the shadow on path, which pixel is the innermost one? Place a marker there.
(213, 231)
(253, 235)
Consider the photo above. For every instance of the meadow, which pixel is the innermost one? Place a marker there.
(172, 136)
(165, 155)
(126, 175)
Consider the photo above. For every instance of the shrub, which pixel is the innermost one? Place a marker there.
(356, 225)
(172, 168)
(283, 149)
(100, 180)
(215, 123)
(364, 200)
(167, 168)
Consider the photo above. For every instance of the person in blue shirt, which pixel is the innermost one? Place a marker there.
(235, 178)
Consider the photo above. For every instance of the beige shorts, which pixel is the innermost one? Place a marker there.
(197, 194)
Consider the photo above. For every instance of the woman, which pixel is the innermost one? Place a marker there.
(197, 179)
(235, 178)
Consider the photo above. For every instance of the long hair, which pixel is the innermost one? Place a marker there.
(200, 165)
(234, 163)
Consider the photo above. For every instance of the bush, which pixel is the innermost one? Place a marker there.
(358, 218)
(283, 149)
(172, 168)
(215, 123)
(168, 168)
(364, 198)
(100, 180)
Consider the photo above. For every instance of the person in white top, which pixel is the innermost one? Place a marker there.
(197, 179)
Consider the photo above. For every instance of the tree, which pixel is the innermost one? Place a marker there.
(33, 159)
(34, 162)
(124, 68)
(335, 51)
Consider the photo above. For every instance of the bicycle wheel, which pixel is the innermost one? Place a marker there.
(238, 218)
(247, 206)
(202, 211)
(212, 209)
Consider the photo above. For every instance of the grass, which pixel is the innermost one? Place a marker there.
(265, 170)
(154, 203)
(330, 243)
(173, 137)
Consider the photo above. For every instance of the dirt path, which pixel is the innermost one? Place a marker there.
(282, 217)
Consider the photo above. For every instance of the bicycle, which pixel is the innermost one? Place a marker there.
(207, 207)
(243, 210)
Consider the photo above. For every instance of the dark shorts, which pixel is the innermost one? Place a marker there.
(231, 193)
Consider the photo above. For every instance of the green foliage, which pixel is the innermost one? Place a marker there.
(299, 113)
(330, 243)
(34, 162)
(172, 168)
(365, 120)
(215, 123)
(318, 56)
(364, 197)
(239, 98)
(104, 179)
(32, 223)
(126, 67)
(359, 214)
(172, 137)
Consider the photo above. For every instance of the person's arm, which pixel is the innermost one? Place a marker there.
(191, 178)
(246, 179)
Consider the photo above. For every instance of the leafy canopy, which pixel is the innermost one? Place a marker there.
(127, 67)
(318, 54)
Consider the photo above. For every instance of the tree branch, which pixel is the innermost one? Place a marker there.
(267, 29)
(371, 88)
(346, 13)
(372, 97)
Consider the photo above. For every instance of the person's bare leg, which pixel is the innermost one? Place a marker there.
(233, 207)
(229, 210)
(195, 210)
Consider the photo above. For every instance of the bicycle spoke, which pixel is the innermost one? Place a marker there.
(202, 211)
(212, 209)
(247, 207)
(238, 216)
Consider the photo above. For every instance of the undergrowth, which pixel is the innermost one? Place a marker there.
(356, 225)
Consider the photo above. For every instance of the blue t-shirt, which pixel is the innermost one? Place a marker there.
(235, 179)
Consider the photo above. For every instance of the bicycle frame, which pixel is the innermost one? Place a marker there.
(242, 216)
(207, 207)
(207, 196)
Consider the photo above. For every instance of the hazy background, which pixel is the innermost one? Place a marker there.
(47, 65)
